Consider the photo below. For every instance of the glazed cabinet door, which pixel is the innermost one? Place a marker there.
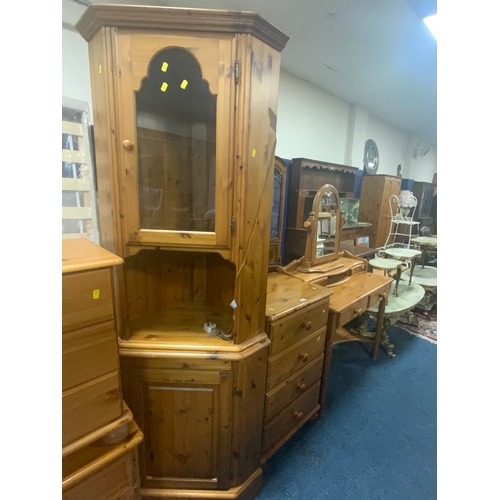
(175, 110)
(186, 419)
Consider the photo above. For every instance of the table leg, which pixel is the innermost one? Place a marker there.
(389, 348)
(398, 277)
(324, 377)
(380, 325)
(411, 319)
(413, 264)
(331, 325)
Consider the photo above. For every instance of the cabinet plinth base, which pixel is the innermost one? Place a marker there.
(247, 491)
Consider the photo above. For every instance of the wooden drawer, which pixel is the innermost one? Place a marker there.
(87, 299)
(359, 268)
(374, 297)
(114, 481)
(88, 407)
(291, 389)
(88, 353)
(284, 365)
(298, 326)
(353, 311)
(280, 428)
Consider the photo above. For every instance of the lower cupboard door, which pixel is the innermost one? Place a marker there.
(185, 417)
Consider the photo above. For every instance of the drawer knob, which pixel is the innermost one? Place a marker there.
(298, 415)
(358, 311)
(127, 145)
(301, 387)
(306, 325)
(304, 356)
(382, 295)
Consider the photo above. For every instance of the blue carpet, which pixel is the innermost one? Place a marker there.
(377, 438)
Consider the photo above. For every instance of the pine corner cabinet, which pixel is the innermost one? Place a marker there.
(185, 112)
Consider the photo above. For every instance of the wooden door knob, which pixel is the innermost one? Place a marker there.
(304, 356)
(306, 325)
(298, 415)
(127, 145)
(301, 387)
(358, 311)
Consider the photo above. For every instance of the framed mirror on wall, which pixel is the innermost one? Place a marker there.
(370, 157)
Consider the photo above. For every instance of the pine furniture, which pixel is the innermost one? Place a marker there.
(296, 317)
(374, 208)
(185, 112)
(99, 435)
(354, 288)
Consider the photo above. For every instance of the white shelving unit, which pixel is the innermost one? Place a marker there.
(79, 197)
(402, 209)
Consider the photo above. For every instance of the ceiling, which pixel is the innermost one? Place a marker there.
(376, 53)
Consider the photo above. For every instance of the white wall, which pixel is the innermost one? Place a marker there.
(423, 168)
(75, 67)
(391, 142)
(311, 123)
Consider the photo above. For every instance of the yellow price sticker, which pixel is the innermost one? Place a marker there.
(95, 294)
(164, 86)
(164, 66)
(253, 153)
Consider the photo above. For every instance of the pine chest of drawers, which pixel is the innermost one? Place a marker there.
(296, 319)
(91, 396)
(99, 435)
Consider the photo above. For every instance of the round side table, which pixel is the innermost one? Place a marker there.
(426, 277)
(404, 254)
(387, 265)
(425, 242)
(399, 306)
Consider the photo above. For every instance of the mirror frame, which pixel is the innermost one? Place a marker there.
(311, 224)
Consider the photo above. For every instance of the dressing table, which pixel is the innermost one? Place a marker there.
(354, 289)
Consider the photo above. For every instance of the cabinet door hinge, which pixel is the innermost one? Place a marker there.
(237, 71)
(233, 226)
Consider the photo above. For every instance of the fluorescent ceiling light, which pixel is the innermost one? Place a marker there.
(431, 23)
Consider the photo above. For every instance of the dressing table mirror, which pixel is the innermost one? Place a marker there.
(323, 229)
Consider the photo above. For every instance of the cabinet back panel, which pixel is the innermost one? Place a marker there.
(158, 281)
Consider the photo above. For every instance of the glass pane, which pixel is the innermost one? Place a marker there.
(275, 212)
(73, 199)
(176, 116)
(327, 223)
(72, 226)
